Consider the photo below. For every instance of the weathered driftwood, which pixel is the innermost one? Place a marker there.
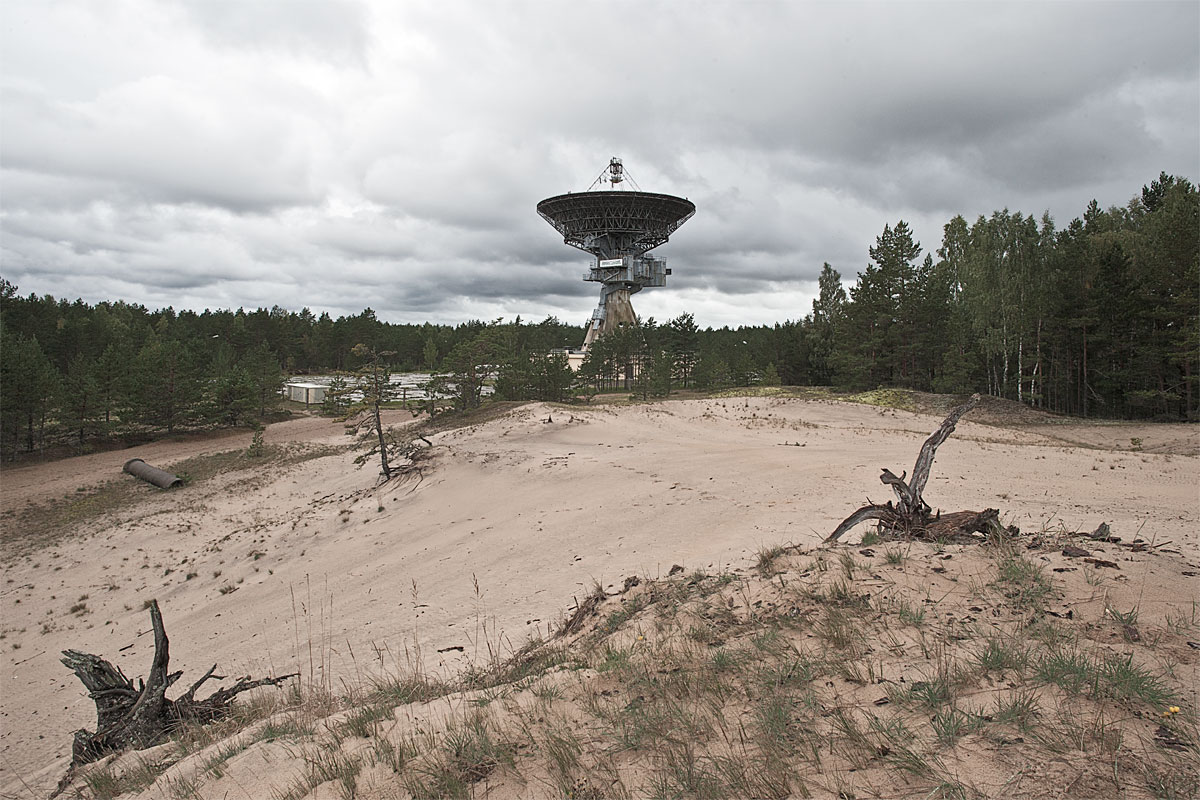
(910, 515)
(129, 717)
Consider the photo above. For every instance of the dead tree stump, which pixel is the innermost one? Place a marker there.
(911, 516)
(129, 717)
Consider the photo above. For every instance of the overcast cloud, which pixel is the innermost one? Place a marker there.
(338, 155)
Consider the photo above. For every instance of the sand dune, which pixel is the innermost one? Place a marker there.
(313, 567)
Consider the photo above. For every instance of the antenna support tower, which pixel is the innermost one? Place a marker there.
(618, 226)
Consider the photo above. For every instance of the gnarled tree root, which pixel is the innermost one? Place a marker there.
(910, 516)
(137, 718)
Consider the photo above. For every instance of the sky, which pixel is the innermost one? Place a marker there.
(340, 155)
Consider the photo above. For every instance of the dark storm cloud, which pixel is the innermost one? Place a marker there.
(337, 155)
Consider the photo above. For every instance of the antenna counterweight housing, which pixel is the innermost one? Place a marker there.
(617, 227)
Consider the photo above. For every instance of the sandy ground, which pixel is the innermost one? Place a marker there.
(37, 483)
(319, 571)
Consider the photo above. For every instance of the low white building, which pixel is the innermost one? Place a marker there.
(307, 393)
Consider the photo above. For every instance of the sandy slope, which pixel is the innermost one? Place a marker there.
(332, 576)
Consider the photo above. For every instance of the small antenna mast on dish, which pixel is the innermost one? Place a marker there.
(618, 227)
(614, 175)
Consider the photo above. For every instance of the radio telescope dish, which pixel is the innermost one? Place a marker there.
(618, 227)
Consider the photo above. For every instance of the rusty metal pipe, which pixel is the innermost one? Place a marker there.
(160, 478)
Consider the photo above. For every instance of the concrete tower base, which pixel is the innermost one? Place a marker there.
(615, 310)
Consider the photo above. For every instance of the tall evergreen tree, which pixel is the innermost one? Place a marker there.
(28, 386)
(827, 311)
(80, 405)
(112, 380)
(469, 365)
(166, 385)
(681, 336)
(875, 339)
(265, 376)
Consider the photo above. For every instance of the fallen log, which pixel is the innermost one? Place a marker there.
(137, 718)
(910, 516)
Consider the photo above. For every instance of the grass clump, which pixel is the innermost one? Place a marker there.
(467, 753)
(329, 764)
(290, 726)
(363, 723)
(999, 653)
(871, 537)
(107, 782)
(627, 609)
(1109, 676)
(1122, 679)
(910, 613)
(1022, 581)
(951, 723)
(767, 558)
(839, 628)
(395, 755)
(395, 690)
(1072, 671)
(563, 749)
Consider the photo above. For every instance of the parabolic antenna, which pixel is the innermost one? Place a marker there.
(617, 226)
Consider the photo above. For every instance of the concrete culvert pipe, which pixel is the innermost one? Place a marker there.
(160, 478)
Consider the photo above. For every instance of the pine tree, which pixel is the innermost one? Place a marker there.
(1110, 341)
(230, 397)
(1168, 281)
(469, 365)
(28, 385)
(265, 376)
(166, 388)
(337, 397)
(79, 404)
(429, 354)
(591, 374)
(112, 381)
(827, 311)
(683, 343)
(551, 377)
(373, 382)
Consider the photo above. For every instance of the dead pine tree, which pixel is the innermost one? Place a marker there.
(134, 718)
(910, 516)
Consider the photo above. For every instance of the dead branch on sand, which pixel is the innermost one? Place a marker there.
(137, 718)
(911, 517)
(582, 611)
